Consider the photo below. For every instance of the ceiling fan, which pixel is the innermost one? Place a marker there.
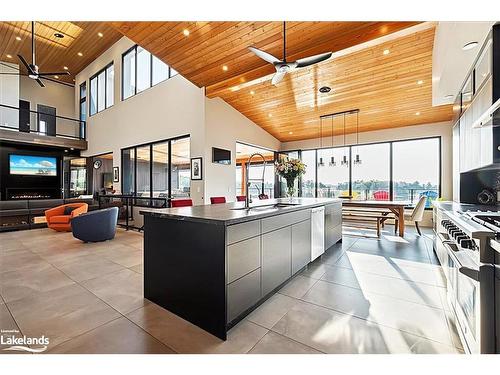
(282, 66)
(33, 70)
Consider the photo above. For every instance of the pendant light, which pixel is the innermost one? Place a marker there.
(320, 162)
(333, 163)
(357, 159)
(344, 161)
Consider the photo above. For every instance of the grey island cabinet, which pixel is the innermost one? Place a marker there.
(213, 264)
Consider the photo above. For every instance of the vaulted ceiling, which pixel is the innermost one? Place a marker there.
(52, 53)
(390, 89)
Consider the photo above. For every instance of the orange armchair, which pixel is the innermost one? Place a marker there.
(57, 220)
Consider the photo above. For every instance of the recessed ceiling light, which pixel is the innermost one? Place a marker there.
(9, 56)
(224, 68)
(185, 32)
(56, 77)
(100, 35)
(418, 113)
(386, 51)
(325, 89)
(252, 92)
(270, 115)
(65, 67)
(290, 133)
(419, 82)
(18, 38)
(80, 54)
(59, 35)
(469, 46)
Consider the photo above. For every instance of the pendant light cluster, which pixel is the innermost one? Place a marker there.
(344, 162)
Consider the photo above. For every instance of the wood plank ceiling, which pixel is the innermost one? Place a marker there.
(390, 89)
(52, 53)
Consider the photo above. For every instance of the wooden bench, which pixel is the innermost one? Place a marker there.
(365, 219)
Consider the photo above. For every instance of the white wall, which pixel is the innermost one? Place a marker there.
(224, 127)
(9, 94)
(442, 129)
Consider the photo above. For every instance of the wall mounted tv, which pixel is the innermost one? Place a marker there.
(28, 165)
(221, 156)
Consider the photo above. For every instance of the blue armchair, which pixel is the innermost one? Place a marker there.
(95, 226)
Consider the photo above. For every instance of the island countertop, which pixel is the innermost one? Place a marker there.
(235, 212)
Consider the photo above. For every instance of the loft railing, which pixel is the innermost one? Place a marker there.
(37, 122)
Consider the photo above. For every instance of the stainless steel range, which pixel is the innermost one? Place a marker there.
(463, 245)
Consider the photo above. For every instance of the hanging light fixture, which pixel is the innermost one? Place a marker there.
(357, 159)
(333, 163)
(320, 162)
(344, 161)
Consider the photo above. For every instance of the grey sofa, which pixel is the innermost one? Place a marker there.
(95, 226)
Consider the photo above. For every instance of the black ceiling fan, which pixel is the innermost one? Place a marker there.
(283, 66)
(33, 70)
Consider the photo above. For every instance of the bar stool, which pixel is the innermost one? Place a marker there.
(217, 200)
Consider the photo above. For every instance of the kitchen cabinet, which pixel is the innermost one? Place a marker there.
(276, 258)
(301, 245)
(333, 224)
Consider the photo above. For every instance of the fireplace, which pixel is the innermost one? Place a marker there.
(33, 193)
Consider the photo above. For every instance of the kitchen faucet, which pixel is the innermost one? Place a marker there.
(248, 200)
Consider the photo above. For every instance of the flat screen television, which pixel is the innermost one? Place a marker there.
(29, 165)
(221, 156)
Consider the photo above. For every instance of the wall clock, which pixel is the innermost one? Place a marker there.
(97, 164)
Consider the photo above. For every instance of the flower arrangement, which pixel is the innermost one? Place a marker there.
(290, 169)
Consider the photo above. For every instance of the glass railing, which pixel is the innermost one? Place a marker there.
(34, 122)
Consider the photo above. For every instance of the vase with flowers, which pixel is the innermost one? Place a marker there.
(290, 170)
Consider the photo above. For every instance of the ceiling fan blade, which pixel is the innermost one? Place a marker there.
(14, 74)
(40, 82)
(30, 71)
(54, 74)
(278, 77)
(306, 61)
(264, 55)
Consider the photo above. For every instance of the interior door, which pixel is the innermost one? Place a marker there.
(46, 120)
(24, 116)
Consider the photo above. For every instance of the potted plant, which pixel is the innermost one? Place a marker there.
(290, 169)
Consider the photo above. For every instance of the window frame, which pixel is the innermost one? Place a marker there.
(151, 72)
(391, 167)
(151, 162)
(83, 100)
(89, 94)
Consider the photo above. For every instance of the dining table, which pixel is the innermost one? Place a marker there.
(396, 207)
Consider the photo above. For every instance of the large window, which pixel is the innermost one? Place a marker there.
(102, 90)
(416, 167)
(83, 108)
(371, 176)
(256, 170)
(158, 170)
(399, 170)
(141, 70)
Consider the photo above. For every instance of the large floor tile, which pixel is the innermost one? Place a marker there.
(332, 332)
(298, 286)
(26, 282)
(410, 317)
(315, 270)
(19, 260)
(184, 337)
(271, 311)
(122, 290)
(273, 343)
(126, 256)
(87, 267)
(8, 329)
(119, 336)
(61, 314)
(394, 287)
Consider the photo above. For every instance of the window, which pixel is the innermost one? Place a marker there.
(83, 108)
(102, 90)
(370, 177)
(416, 167)
(333, 172)
(308, 180)
(243, 152)
(158, 170)
(141, 70)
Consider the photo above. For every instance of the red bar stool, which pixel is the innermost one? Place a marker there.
(181, 203)
(241, 198)
(217, 200)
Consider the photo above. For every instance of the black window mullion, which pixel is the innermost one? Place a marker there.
(316, 174)
(350, 170)
(391, 177)
(169, 170)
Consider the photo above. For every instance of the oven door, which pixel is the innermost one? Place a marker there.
(468, 307)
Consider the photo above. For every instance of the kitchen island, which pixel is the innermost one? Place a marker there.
(213, 264)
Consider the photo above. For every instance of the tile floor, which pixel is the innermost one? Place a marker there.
(363, 296)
